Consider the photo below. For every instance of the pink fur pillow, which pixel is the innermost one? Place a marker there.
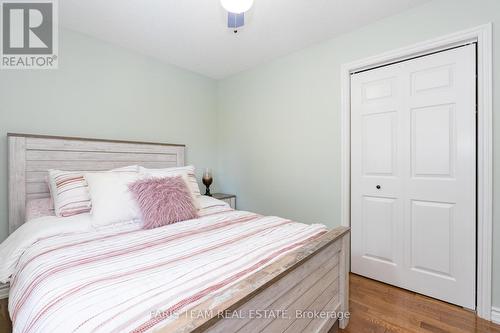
(163, 201)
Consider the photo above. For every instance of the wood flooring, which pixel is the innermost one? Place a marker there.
(379, 308)
(5, 325)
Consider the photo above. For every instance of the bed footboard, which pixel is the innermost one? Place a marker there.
(305, 291)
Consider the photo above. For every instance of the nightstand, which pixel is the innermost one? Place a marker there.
(229, 198)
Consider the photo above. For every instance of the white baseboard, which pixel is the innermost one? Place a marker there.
(4, 291)
(495, 315)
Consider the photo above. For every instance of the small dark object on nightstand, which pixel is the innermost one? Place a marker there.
(207, 181)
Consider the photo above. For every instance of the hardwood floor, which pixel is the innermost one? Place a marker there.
(5, 326)
(379, 308)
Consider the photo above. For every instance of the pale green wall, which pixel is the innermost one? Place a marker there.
(104, 91)
(279, 124)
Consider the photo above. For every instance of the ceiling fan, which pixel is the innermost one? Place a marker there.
(236, 12)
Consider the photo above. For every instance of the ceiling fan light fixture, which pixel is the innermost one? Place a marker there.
(237, 6)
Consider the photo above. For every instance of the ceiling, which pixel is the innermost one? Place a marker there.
(192, 34)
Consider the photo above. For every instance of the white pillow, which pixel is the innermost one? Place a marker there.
(187, 173)
(112, 202)
(69, 191)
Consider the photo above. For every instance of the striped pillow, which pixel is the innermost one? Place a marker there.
(70, 191)
(176, 171)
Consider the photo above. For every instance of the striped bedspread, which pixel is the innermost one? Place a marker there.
(125, 279)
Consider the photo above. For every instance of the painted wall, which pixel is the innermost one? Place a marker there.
(278, 124)
(104, 91)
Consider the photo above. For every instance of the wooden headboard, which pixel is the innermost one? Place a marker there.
(30, 156)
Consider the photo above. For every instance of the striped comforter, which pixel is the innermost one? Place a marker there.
(125, 279)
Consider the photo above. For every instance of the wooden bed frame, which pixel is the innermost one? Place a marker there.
(304, 291)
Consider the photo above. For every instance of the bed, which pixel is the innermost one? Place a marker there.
(226, 271)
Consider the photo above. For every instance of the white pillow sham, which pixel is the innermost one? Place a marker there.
(112, 202)
(70, 193)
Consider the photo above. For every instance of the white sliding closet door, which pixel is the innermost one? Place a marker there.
(413, 174)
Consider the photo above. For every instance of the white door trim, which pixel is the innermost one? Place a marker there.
(483, 36)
